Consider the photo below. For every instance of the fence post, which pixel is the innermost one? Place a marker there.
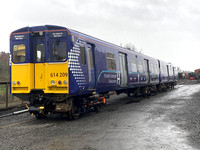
(6, 96)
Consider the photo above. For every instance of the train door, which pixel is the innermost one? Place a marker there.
(146, 63)
(168, 73)
(39, 67)
(174, 76)
(123, 69)
(91, 66)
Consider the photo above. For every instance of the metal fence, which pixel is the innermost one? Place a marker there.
(6, 99)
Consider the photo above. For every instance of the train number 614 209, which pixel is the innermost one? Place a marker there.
(61, 74)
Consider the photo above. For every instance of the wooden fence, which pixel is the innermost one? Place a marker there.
(7, 87)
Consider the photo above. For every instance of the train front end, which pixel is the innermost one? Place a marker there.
(39, 66)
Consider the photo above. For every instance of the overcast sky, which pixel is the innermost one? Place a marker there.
(164, 29)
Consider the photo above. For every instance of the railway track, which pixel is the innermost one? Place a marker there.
(16, 123)
(13, 114)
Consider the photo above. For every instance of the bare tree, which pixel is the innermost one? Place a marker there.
(4, 66)
(131, 47)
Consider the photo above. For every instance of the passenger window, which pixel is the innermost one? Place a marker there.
(82, 53)
(59, 51)
(19, 53)
(140, 66)
(40, 52)
(111, 62)
(133, 65)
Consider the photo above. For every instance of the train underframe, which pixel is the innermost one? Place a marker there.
(71, 107)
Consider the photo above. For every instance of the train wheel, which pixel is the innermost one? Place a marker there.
(40, 116)
(97, 108)
(73, 112)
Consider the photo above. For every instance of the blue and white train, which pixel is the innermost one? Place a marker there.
(65, 71)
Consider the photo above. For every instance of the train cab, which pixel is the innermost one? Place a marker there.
(39, 60)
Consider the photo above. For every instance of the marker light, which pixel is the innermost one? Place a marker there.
(41, 33)
(59, 82)
(65, 82)
(18, 82)
(52, 82)
(13, 82)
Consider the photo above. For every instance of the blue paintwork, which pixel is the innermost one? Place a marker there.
(103, 80)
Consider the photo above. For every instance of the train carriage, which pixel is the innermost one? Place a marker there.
(65, 71)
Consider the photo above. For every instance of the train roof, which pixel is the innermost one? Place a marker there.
(38, 28)
(96, 40)
(80, 35)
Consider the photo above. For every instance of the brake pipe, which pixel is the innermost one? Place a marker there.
(15, 113)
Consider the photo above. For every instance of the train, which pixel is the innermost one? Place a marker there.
(193, 76)
(60, 70)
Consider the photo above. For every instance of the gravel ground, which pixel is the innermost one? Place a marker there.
(168, 120)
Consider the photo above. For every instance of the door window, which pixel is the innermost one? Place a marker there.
(90, 63)
(140, 66)
(40, 48)
(82, 55)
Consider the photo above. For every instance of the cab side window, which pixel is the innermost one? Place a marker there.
(59, 51)
(19, 53)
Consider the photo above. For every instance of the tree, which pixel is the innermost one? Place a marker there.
(132, 47)
(4, 66)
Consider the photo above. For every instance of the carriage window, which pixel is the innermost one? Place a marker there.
(82, 50)
(40, 52)
(111, 62)
(133, 65)
(59, 51)
(140, 66)
(19, 53)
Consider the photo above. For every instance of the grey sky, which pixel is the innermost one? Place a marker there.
(164, 29)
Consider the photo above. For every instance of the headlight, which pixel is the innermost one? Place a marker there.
(65, 82)
(18, 82)
(13, 82)
(52, 82)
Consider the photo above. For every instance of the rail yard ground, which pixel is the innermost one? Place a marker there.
(168, 120)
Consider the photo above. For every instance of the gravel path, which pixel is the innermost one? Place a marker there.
(166, 121)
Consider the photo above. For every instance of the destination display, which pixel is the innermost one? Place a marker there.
(58, 34)
(19, 37)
